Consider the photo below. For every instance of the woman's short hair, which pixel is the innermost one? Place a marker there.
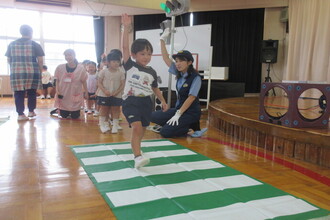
(26, 30)
(70, 51)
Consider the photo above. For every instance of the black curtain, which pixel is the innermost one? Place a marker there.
(147, 22)
(236, 39)
(99, 36)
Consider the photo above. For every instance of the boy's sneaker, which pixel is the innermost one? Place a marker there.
(22, 118)
(31, 114)
(96, 113)
(48, 97)
(89, 111)
(141, 161)
(41, 97)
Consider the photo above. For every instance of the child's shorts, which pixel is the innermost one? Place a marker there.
(46, 86)
(91, 98)
(138, 109)
(109, 101)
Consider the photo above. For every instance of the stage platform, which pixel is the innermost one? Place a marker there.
(238, 117)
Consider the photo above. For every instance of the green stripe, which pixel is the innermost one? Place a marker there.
(205, 201)
(148, 210)
(108, 167)
(245, 194)
(95, 154)
(132, 183)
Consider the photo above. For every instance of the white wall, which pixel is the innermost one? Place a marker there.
(275, 30)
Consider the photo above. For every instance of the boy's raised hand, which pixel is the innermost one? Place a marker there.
(126, 20)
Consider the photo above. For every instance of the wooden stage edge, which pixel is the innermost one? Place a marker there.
(238, 117)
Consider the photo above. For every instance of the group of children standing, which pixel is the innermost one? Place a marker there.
(105, 90)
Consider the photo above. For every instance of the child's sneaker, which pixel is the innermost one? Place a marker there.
(114, 129)
(89, 111)
(48, 97)
(103, 128)
(96, 113)
(22, 118)
(31, 114)
(141, 161)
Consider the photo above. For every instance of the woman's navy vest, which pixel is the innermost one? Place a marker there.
(183, 94)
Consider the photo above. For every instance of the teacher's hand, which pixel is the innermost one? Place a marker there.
(175, 119)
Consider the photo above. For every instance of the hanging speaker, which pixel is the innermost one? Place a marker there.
(269, 50)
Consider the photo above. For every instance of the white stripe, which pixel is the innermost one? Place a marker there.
(134, 196)
(252, 210)
(154, 154)
(158, 154)
(157, 144)
(100, 160)
(161, 169)
(143, 171)
(128, 157)
(186, 188)
(120, 146)
(167, 153)
(126, 173)
(143, 144)
(237, 211)
(182, 216)
(232, 181)
(90, 149)
(201, 165)
(281, 206)
(173, 153)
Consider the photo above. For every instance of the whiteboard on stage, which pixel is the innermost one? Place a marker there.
(196, 39)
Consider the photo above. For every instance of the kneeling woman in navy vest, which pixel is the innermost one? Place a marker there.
(177, 121)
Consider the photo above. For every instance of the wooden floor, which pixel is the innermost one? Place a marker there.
(41, 179)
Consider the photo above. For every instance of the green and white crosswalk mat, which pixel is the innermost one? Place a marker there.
(182, 184)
